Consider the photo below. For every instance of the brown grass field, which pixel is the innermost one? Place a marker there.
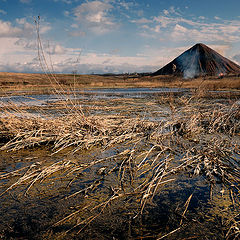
(42, 82)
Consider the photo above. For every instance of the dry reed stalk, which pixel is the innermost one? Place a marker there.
(234, 231)
(186, 208)
(37, 173)
(170, 233)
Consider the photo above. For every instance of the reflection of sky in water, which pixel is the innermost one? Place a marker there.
(43, 99)
(134, 90)
(31, 100)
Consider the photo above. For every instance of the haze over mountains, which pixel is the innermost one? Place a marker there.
(199, 60)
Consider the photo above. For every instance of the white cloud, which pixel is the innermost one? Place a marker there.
(164, 21)
(180, 33)
(7, 30)
(66, 59)
(141, 21)
(26, 44)
(25, 1)
(3, 12)
(126, 5)
(173, 10)
(56, 49)
(229, 29)
(12, 55)
(222, 49)
(165, 11)
(157, 29)
(21, 55)
(236, 58)
(74, 25)
(20, 48)
(77, 33)
(64, 1)
(95, 16)
(104, 63)
(180, 28)
(22, 29)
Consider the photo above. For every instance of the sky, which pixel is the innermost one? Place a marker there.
(113, 36)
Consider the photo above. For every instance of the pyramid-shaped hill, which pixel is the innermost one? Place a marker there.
(199, 60)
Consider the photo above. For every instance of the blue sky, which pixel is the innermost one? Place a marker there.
(113, 35)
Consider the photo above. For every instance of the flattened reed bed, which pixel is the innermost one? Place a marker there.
(71, 130)
(200, 139)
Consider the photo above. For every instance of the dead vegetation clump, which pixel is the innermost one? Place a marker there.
(73, 130)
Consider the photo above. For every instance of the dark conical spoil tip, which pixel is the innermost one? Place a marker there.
(199, 60)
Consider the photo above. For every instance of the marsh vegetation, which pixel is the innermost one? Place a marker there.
(40, 83)
(153, 166)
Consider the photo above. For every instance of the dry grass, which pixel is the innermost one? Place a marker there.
(10, 82)
(74, 130)
(200, 138)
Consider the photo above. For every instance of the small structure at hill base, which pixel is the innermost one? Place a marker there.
(199, 60)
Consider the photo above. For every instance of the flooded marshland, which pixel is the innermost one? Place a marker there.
(120, 164)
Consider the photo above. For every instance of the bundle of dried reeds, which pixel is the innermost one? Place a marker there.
(74, 130)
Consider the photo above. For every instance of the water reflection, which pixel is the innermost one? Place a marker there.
(111, 93)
